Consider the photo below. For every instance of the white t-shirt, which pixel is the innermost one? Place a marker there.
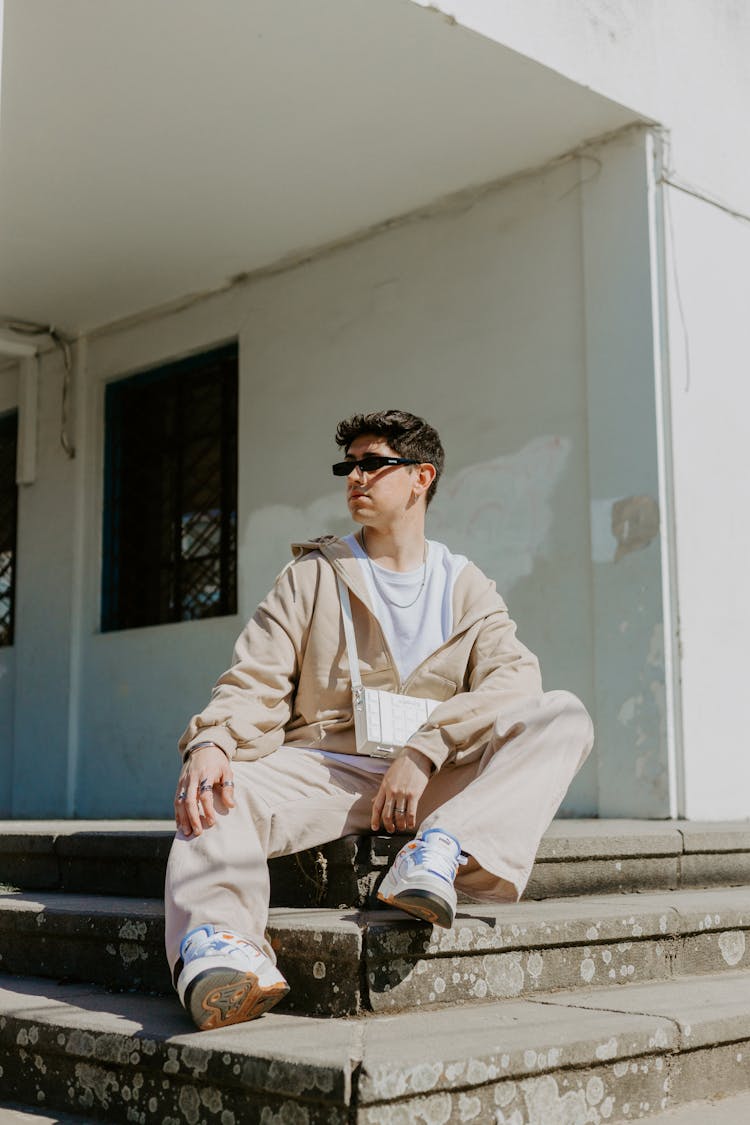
(412, 631)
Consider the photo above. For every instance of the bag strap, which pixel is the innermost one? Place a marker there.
(351, 640)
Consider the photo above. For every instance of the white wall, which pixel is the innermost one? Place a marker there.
(627, 517)
(709, 334)
(491, 318)
(473, 318)
(682, 63)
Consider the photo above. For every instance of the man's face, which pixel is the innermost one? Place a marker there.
(382, 496)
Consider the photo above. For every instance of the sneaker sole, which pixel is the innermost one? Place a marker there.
(422, 904)
(220, 997)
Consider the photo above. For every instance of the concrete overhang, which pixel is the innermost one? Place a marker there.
(150, 149)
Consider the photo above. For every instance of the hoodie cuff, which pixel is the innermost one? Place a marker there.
(220, 736)
(437, 759)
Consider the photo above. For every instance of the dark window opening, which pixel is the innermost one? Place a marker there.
(8, 523)
(170, 507)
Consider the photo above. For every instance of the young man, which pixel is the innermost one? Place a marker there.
(270, 766)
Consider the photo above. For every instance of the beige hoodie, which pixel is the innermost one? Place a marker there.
(289, 680)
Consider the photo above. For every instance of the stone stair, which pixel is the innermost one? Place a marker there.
(618, 989)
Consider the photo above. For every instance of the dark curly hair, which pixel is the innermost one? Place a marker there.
(407, 435)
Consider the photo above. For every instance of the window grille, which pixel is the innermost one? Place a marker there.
(8, 522)
(170, 515)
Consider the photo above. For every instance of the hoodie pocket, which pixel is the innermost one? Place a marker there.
(432, 685)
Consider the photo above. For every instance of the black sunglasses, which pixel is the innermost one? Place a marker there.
(369, 464)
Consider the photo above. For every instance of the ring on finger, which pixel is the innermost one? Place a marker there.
(182, 795)
(205, 786)
(227, 785)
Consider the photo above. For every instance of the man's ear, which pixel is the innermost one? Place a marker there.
(424, 475)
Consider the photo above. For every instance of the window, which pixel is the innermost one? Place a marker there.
(170, 506)
(8, 521)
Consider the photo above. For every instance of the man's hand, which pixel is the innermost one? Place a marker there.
(204, 770)
(395, 802)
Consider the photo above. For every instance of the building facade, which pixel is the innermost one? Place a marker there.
(526, 222)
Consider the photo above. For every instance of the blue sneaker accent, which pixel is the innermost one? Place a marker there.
(420, 880)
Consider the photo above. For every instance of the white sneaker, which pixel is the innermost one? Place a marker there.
(421, 876)
(226, 979)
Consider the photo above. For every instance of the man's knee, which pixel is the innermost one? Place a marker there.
(564, 702)
(558, 709)
(568, 708)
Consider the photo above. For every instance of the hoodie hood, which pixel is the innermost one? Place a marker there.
(475, 595)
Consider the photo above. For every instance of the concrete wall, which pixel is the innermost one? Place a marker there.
(709, 333)
(681, 63)
(628, 547)
(483, 317)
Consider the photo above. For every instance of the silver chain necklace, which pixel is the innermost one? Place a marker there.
(398, 605)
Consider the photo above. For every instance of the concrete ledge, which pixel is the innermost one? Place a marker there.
(604, 1055)
(350, 962)
(732, 1110)
(601, 839)
(118, 943)
(109, 1056)
(575, 857)
(708, 836)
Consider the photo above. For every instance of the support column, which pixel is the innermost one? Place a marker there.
(635, 732)
(43, 775)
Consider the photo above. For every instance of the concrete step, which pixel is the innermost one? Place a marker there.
(575, 857)
(722, 1111)
(352, 962)
(18, 1115)
(591, 1056)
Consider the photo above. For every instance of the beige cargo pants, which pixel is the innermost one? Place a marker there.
(497, 806)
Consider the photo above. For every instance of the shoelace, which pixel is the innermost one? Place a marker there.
(217, 945)
(437, 860)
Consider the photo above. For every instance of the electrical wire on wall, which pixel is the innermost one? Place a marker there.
(669, 178)
(31, 329)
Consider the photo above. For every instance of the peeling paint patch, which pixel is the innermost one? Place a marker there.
(504, 1094)
(96, 1083)
(133, 931)
(607, 1050)
(425, 1077)
(535, 965)
(469, 1107)
(594, 1090)
(635, 523)
(504, 974)
(547, 1106)
(732, 946)
(290, 1113)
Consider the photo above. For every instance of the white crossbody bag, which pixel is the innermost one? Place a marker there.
(383, 720)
